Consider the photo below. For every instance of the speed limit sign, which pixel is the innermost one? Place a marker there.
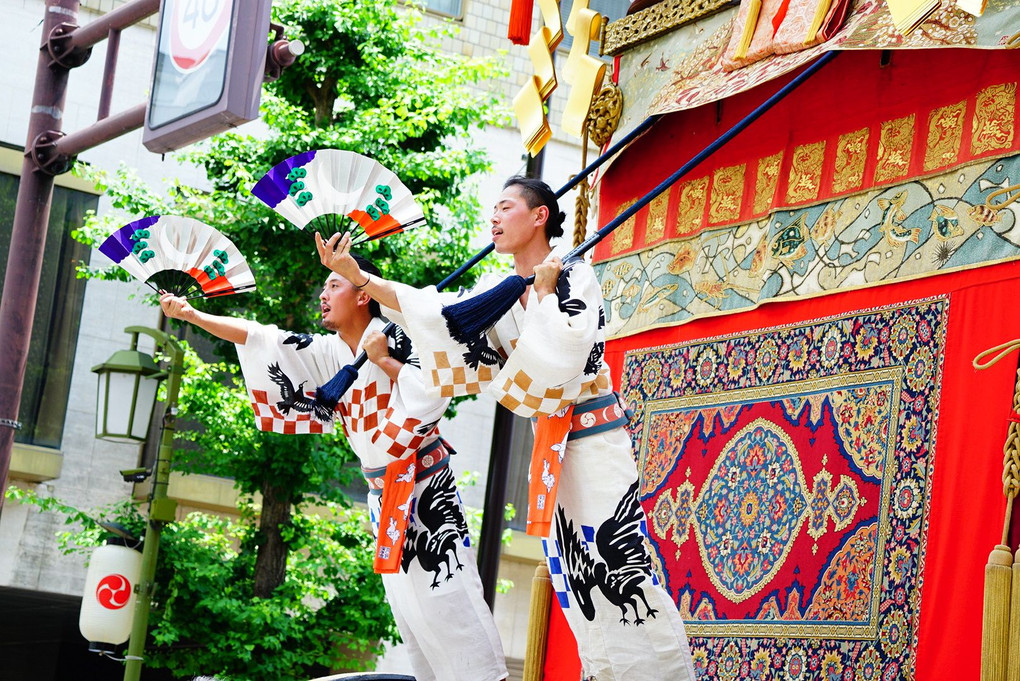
(196, 28)
(207, 75)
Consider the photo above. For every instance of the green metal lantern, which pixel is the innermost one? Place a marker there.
(127, 395)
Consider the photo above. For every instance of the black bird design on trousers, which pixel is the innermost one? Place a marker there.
(438, 529)
(624, 563)
(296, 399)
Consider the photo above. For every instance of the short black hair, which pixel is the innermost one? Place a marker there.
(368, 268)
(537, 193)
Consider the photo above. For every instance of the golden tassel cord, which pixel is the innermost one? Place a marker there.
(538, 623)
(1000, 633)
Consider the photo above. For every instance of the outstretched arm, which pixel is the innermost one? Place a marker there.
(227, 328)
(336, 255)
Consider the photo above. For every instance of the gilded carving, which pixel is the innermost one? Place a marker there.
(945, 133)
(656, 227)
(851, 155)
(623, 236)
(656, 20)
(605, 113)
(766, 182)
(994, 123)
(691, 208)
(727, 194)
(895, 143)
(805, 172)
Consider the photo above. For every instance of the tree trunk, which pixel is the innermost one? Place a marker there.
(324, 96)
(271, 562)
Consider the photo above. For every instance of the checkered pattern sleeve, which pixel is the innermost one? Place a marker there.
(558, 358)
(450, 369)
(281, 371)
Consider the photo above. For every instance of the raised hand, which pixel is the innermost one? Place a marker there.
(336, 255)
(176, 307)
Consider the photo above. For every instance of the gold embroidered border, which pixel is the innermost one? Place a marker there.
(766, 182)
(623, 236)
(993, 126)
(654, 21)
(945, 134)
(656, 227)
(895, 142)
(727, 194)
(851, 156)
(691, 210)
(806, 172)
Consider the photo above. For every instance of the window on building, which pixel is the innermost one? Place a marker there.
(611, 9)
(44, 395)
(451, 8)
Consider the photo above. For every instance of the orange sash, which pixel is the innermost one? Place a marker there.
(398, 487)
(546, 461)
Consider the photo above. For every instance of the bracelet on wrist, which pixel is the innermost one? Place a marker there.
(368, 278)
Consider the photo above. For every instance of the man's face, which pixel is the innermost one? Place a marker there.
(337, 302)
(514, 225)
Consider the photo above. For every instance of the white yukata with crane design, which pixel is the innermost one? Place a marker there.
(537, 361)
(436, 594)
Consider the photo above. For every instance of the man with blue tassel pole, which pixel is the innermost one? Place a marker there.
(543, 359)
(422, 552)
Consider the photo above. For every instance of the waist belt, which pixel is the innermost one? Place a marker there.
(597, 416)
(552, 433)
(431, 458)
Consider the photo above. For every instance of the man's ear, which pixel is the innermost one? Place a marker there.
(542, 214)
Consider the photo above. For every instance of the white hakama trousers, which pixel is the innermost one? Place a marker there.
(601, 573)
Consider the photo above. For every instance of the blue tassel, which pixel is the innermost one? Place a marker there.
(329, 394)
(469, 319)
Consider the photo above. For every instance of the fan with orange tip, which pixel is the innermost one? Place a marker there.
(333, 190)
(179, 255)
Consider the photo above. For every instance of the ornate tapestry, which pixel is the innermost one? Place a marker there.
(787, 475)
(928, 226)
(697, 75)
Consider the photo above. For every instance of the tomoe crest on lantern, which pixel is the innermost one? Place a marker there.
(107, 605)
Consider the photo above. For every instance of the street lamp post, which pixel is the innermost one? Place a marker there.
(162, 509)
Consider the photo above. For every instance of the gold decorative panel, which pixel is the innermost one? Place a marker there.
(805, 172)
(766, 182)
(656, 20)
(656, 227)
(691, 209)
(727, 194)
(993, 126)
(895, 143)
(851, 155)
(945, 133)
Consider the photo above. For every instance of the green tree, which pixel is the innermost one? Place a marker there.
(372, 80)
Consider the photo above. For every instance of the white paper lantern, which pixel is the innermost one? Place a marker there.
(108, 604)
